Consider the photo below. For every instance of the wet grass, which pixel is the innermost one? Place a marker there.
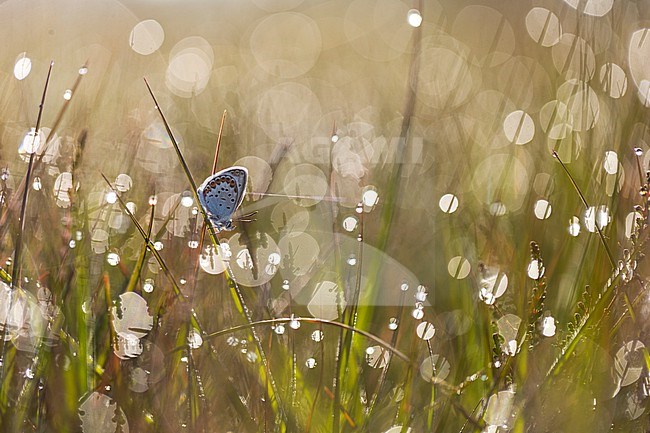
(222, 355)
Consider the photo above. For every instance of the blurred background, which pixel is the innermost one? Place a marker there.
(463, 181)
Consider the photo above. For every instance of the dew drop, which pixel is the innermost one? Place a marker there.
(187, 201)
(113, 258)
(548, 326)
(459, 267)
(421, 294)
(349, 224)
(23, 67)
(448, 203)
(194, 339)
(425, 331)
(611, 162)
(148, 285)
(542, 209)
(535, 270)
(110, 197)
(370, 198)
(274, 259)
(574, 226)
(31, 142)
(131, 207)
(294, 324)
(414, 18)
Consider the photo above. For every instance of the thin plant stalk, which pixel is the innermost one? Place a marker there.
(392, 192)
(384, 372)
(62, 111)
(214, 170)
(194, 320)
(238, 297)
(135, 275)
(15, 272)
(345, 347)
(219, 137)
(57, 121)
(150, 245)
(584, 202)
(320, 383)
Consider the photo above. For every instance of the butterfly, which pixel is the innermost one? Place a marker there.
(221, 194)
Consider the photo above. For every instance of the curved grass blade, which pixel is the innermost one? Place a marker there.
(313, 320)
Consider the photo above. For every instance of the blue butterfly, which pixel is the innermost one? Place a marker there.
(221, 194)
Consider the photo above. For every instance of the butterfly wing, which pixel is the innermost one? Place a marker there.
(240, 175)
(222, 193)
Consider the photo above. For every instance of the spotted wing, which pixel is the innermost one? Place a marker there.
(223, 192)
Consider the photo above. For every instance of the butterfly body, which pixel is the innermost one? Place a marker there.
(221, 194)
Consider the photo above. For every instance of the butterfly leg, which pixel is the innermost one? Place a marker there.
(247, 217)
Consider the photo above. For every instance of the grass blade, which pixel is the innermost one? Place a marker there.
(237, 294)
